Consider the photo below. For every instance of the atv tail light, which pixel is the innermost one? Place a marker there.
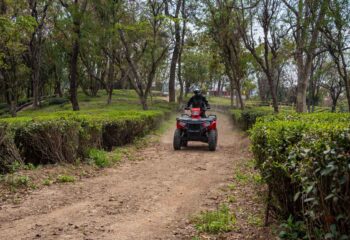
(212, 125)
(180, 125)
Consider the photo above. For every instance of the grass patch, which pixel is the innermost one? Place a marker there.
(231, 186)
(47, 181)
(99, 158)
(65, 178)
(241, 177)
(257, 178)
(231, 199)
(115, 156)
(255, 220)
(220, 220)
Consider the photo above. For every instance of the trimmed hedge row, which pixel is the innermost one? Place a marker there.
(305, 160)
(245, 119)
(68, 137)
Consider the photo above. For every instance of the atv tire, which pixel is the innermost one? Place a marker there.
(177, 140)
(212, 140)
(184, 143)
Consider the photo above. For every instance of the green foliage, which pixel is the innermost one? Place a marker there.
(246, 119)
(17, 181)
(65, 178)
(10, 159)
(47, 181)
(221, 220)
(304, 158)
(57, 101)
(66, 136)
(293, 230)
(99, 157)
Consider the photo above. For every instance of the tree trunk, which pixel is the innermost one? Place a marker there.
(301, 90)
(273, 94)
(13, 107)
(334, 105)
(143, 101)
(175, 56)
(74, 73)
(239, 95)
(347, 90)
(232, 94)
(219, 87)
(58, 90)
(110, 92)
(110, 81)
(181, 96)
(174, 60)
(35, 79)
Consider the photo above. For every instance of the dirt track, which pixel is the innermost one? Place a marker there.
(149, 199)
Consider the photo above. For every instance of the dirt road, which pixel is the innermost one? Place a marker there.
(149, 199)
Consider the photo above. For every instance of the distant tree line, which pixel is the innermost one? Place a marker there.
(290, 51)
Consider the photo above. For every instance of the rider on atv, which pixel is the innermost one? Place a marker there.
(198, 101)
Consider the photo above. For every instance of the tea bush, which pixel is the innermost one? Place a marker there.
(67, 136)
(9, 153)
(245, 119)
(305, 160)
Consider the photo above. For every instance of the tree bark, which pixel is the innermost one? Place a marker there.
(305, 46)
(175, 56)
(110, 81)
(73, 76)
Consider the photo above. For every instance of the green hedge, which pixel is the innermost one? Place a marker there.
(245, 119)
(305, 160)
(8, 151)
(68, 137)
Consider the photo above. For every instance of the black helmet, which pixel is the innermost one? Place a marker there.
(196, 91)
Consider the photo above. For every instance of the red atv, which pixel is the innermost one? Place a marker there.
(195, 128)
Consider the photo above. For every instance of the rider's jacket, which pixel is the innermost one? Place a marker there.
(198, 101)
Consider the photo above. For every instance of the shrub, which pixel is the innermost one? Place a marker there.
(246, 119)
(57, 101)
(65, 178)
(16, 181)
(9, 154)
(305, 160)
(47, 140)
(221, 220)
(66, 136)
(99, 158)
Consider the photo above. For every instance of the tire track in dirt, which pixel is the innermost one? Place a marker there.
(149, 199)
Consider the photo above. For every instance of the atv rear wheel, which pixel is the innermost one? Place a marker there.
(177, 139)
(184, 143)
(212, 140)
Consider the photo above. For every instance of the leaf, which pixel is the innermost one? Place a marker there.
(296, 196)
(328, 236)
(329, 196)
(309, 189)
(309, 199)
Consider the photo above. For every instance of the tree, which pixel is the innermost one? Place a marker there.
(305, 19)
(271, 44)
(177, 46)
(333, 84)
(76, 10)
(224, 30)
(38, 9)
(145, 45)
(15, 29)
(337, 35)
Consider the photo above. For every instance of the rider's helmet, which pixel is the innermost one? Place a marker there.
(196, 91)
